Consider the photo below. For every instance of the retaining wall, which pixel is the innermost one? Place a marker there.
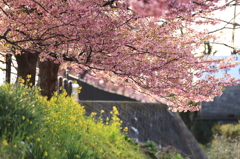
(153, 122)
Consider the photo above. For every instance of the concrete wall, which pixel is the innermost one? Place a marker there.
(225, 107)
(151, 122)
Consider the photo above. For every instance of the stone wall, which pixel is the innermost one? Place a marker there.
(151, 122)
(225, 107)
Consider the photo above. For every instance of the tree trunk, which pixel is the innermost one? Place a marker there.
(48, 76)
(27, 63)
(48, 72)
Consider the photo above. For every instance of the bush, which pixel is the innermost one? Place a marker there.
(222, 148)
(226, 142)
(150, 148)
(19, 118)
(18, 111)
(227, 130)
(57, 128)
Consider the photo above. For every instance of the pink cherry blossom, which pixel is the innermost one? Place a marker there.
(120, 42)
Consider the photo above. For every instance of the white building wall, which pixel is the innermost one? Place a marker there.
(3, 72)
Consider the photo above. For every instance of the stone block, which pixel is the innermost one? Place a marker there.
(98, 107)
(124, 115)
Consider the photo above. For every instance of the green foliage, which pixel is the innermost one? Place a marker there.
(131, 141)
(102, 138)
(19, 118)
(11, 150)
(151, 145)
(170, 156)
(178, 156)
(151, 149)
(227, 130)
(18, 111)
(57, 128)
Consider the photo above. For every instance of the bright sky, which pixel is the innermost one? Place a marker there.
(225, 35)
(235, 72)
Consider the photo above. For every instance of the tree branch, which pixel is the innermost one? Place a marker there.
(4, 12)
(223, 44)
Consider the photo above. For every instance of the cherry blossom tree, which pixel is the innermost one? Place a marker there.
(115, 41)
(170, 7)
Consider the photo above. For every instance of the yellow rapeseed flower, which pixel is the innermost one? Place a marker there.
(125, 129)
(5, 142)
(15, 146)
(73, 118)
(23, 117)
(45, 153)
(75, 82)
(38, 139)
(114, 108)
(93, 114)
(21, 80)
(29, 76)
